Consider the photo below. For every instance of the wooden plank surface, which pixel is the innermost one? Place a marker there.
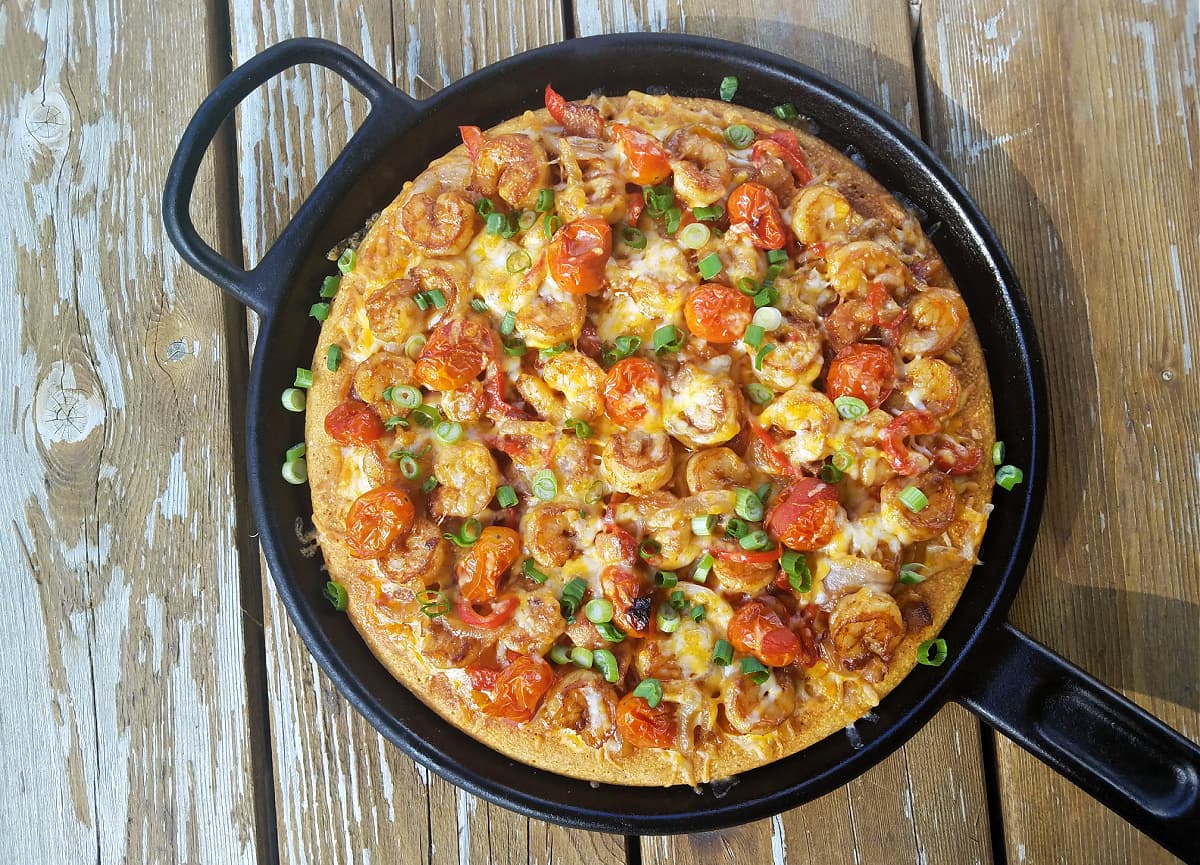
(373, 800)
(1075, 127)
(927, 802)
(125, 708)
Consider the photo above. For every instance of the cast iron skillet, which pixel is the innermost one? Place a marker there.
(1127, 759)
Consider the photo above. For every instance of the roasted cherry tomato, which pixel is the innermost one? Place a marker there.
(479, 572)
(643, 727)
(577, 254)
(646, 161)
(863, 370)
(631, 602)
(495, 406)
(519, 688)
(354, 423)
(482, 678)
(575, 118)
(502, 610)
(955, 455)
(377, 519)
(633, 392)
(785, 146)
(904, 425)
(457, 352)
(756, 207)
(746, 557)
(806, 516)
(717, 312)
(757, 630)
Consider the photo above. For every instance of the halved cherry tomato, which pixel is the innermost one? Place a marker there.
(757, 630)
(473, 140)
(577, 254)
(863, 370)
(479, 572)
(482, 678)
(956, 456)
(633, 391)
(635, 203)
(806, 516)
(502, 610)
(643, 727)
(756, 207)
(646, 161)
(905, 424)
(574, 117)
(778, 459)
(519, 688)
(631, 602)
(377, 519)
(784, 145)
(717, 312)
(747, 557)
(354, 423)
(457, 351)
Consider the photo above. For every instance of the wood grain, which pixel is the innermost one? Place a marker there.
(1075, 127)
(898, 811)
(374, 801)
(125, 710)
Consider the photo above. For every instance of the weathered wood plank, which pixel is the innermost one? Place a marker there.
(375, 802)
(1075, 127)
(896, 812)
(125, 712)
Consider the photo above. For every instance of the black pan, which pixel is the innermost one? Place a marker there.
(1127, 759)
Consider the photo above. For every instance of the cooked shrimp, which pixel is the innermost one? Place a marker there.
(377, 373)
(863, 624)
(930, 385)
(821, 214)
(808, 414)
(931, 520)
(771, 172)
(936, 318)
(849, 322)
(439, 217)
(446, 648)
(421, 558)
(580, 380)
(550, 533)
(551, 316)
(391, 312)
(715, 469)
(854, 267)
(700, 164)
(700, 408)
(592, 188)
(467, 479)
(748, 577)
(583, 702)
(464, 404)
(797, 357)
(740, 258)
(574, 464)
(751, 708)
(535, 626)
(637, 461)
(513, 165)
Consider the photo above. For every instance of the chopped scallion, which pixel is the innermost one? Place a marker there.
(581, 428)
(1009, 476)
(429, 484)
(672, 216)
(667, 619)
(427, 416)
(649, 548)
(703, 568)
(747, 505)
(633, 238)
(722, 654)
(850, 407)
(413, 346)
(527, 219)
(756, 540)
(552, 350)
(759, 395)
(347, 260)
(694, 235)
(572, 597)
(295, 452)
(768, 318)
(404, 395)
(666, 579)
(448, 432)
(293, 399)
(599, 611)
(997, 453)
(649, 690)
(736, 529)
(467, 534)
(560, 655)
(933, 653)
(479, 304)
(739, 136)
(795, 565)
(606, 662)
(910, 574)
(913, 499)
(518, 262)
(776, 256)
(545, 201)
(531, 571)
(762, 353)
(786, 111)
(699, 613)
(582, 657)
(551, 224)
(333, 358)
(335, 593)
(709, 214)
(753, 670)
(304, 377)
(677, 599)
(667, 338)
(295, 471)
(506, 496)
(484, 207)
(545, 485)
(753, 335)
(747, 286)
(319, 311)
(728, 89)
(514, 346)
(704, 525)
(709, 266)
(329, 286)
(610, 632)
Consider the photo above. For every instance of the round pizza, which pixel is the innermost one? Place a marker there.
(649, 438)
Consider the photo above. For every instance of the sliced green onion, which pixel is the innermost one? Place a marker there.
(694, 235)
(747, 505)
(756, 540)
(606, 662)
(747, 286)
(295, 452)
(753, 335)
(434, 604)
(1009, 476)
(479, 304)
(545, 485)
(508, 323)
(484, 207)
(766, 296)
(404, 395)
(429, 484)
(303, 377)
(514, 346)
(759, 395)
(739, 136)
(768, 318)
(496, 222)
(333, 358)
(753, 670)
(511, 225)
(572, 597)
(728, 90)
(518, 261)
(667, 619)
(506, 496)
(551, 224)
(762, 353)
(582, 657)
(910, 574)
(319, 311)
(623, 347)
(347, 260)
(722, 654)
(395, 421)
(633, 237)
(649, 548)
(599, 611)
(413, 346)
(913, 499)
(409, 469)
(776, 256)
(795, 565)
(421, 299)
(736, 529)
(545, 201)
(437, 298)
(658, 198)
(672, 216)
(704, 525)
(467, 534)
(677, 599)
(708, 214)
(552, 350)
(527, 219)
(594, 493)
(699, 613)
(709, 266)
(842, 461)
(609, 631)
(560, 655)
(426, 415)
(850, 407)
(330, 285)
(448, 432)
(786, 111)
(293, 399)
(703, 569)
(667, 338)
(649, 690)
(666, 579)
(335, 593)
(831, 474)
(295, 471)
(933, 653)
(581, 428)
(997, 453)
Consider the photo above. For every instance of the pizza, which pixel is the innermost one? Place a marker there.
(649, 439)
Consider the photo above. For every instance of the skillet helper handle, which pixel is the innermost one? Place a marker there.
(250, 286)
(1128, 759)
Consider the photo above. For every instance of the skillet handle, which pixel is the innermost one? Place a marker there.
(1128, 759)
(256, 288)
